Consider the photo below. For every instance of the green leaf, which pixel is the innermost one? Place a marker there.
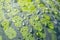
(5, 23)
(29, 37)
(11, 33)
(51, 25)
(17, 21)
(35, 22)
(24, 31)
(41, 35)
(38, 26)
(47, 17)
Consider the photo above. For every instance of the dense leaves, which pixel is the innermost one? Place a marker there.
(30, 19)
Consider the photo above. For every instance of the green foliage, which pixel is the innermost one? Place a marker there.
(34, 18)
(51, 31)
(52, 4)
(38, 26)
(41, 5)
(24, 31)
(58, 0)
(51, 25)
(47, 17)
(45, 20)
(29, 37)
(11, 33)
(41, 35)
(27, 6)
(36, 23)
(32, 8)
(37, 1)
(38, 14)
(1, 1)
(0, 37)
(23, 2)
(13, 12)
(17, 21)
(55, 12)
(7, 1)
(5, 24)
